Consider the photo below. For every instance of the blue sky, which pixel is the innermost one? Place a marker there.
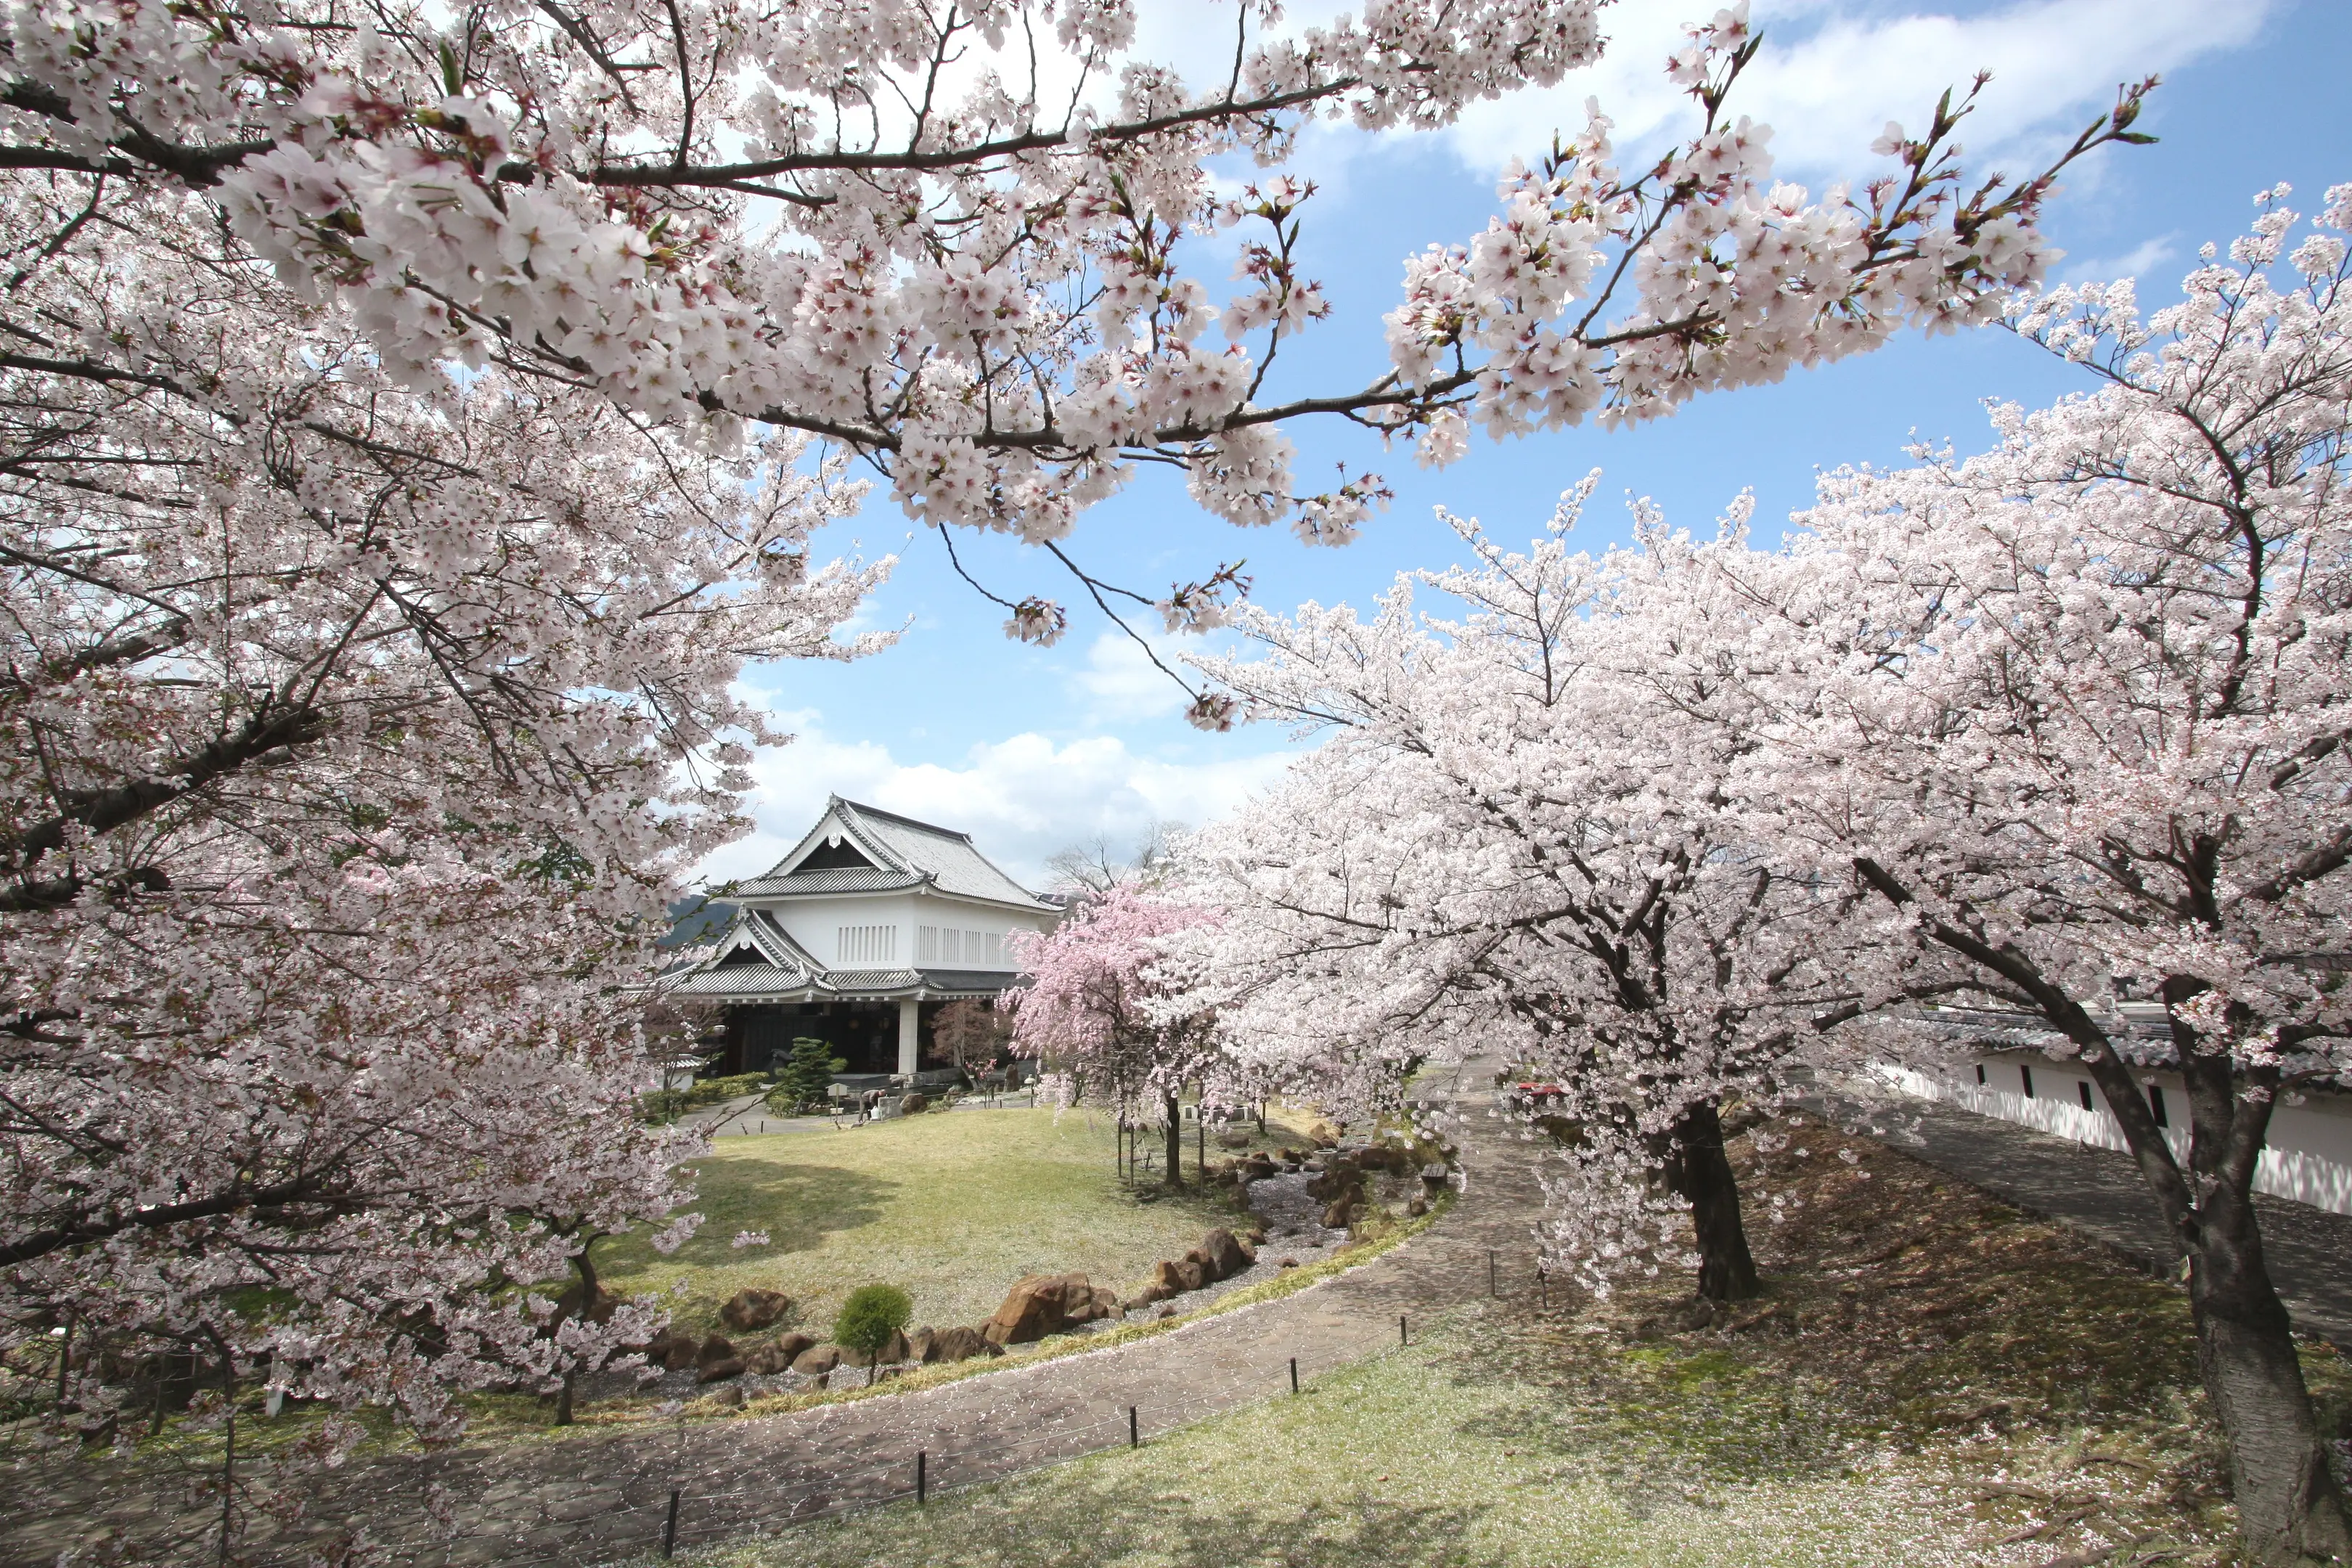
(1032, 749)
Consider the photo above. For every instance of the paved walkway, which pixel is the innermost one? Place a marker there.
(2100, 1192)
(602, 1498)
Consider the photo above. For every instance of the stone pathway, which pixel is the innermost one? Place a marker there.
(602, 1498)
(2100, 1192)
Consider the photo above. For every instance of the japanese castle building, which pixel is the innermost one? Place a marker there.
(858, 937)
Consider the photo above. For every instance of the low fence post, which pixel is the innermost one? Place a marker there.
(669, 1526)
(1134, 1433)
(1492, 1289)
(1402, 1337)
(1294, 1374)
(922, 1479)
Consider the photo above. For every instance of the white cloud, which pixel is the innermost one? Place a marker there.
(1020, 798)
(1120, 683)
(1829, 76)
(2140, 262)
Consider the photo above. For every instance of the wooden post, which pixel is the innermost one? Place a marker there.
(922, 1479)
(1402, 1337)
(1134, 1436)
(669, 1526)
(1294, 1374)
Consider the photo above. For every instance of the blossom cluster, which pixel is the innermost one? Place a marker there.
(887, 225)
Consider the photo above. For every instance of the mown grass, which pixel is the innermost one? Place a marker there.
(952, 1206)
(1931, 1379)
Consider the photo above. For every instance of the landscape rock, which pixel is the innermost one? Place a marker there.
(1190, 1273)
(913, 1104)
(1150, 1295)
(1225, 1253)
(749, 1310)
(1324, 1134)
(1233, 1140)
(728, 1398)
(599, 1310)
(895, 1349)
(1037, 1306)
(661, 1347)
(817, 1360)
(1418, 1206)
(777, 1355)
(958, 1344)
(1287, 1263)
(1340, 1215)
(717, 1359)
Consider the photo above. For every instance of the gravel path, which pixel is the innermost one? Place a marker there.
(602, 1498)
(2100, 1193)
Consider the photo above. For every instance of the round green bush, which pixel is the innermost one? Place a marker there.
(871, 1315)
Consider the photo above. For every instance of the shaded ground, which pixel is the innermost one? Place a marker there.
(2099, 1191)
(1933, 1378)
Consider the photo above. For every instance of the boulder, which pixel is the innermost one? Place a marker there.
(777, 1355)
(677, 1350)
(1037, 1306)
(1150, 1295)
(958, 1344)
(1324, 1135)
(912, 1105)
(1225, 1253)
(1286, 1263)
(817, 1360)
(896, 1350)
(716, 1359)
(748, 1311)
(728, 1398)
(1234, 1140)
(598, 1309)
(1418, 1206)
(918, 1343)
(1190, 1273)
(1340, 1215)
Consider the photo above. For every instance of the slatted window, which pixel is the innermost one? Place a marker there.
(868, 944)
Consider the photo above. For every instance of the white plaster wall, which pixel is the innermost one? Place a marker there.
(2309, 1158)
(816, 923)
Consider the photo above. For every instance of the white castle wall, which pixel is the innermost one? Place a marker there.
(2310, 1153)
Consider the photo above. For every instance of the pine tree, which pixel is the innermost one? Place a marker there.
(808, 1072)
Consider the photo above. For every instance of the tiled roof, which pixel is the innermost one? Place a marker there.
(848, 879)
(741, 980)
(900, 845)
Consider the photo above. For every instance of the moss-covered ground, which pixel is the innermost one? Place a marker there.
(1930, 1379)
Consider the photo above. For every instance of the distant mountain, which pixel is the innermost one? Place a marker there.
(696, 918)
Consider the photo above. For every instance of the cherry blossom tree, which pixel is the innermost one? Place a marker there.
(1518, 838)
(952, 238)
(356, 742)
(2074, 713)
(1097, 1010)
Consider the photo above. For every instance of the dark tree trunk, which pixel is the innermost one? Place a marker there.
(1175, 1141)
(1700, 1174)
(2289, 1511)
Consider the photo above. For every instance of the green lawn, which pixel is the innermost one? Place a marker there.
(952, 1206)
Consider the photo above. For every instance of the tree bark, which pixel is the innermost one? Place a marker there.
(2289, 1509)
(1700, 1174)
(1175, 1141)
